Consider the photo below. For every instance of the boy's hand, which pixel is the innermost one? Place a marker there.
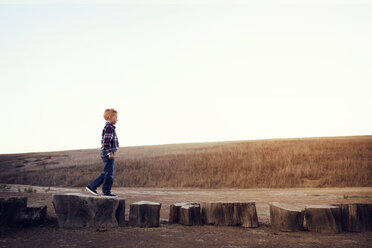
(111, 156)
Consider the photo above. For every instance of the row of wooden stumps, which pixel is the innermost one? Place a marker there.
(335, 218)
(76, 210)
(351, 217)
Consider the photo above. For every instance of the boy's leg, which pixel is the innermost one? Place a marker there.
(99, 180)
(108, 177)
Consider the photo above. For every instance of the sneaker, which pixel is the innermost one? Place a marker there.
(110, 195)
(92, 191)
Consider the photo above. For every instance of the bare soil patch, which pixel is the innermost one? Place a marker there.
(49, 235)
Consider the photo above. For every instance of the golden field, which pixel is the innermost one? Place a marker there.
(277, 163)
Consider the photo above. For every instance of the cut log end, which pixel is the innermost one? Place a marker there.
(146, 203)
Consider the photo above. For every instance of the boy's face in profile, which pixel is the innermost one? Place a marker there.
(113, 119)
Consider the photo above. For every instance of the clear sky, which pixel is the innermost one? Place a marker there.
(182, 71)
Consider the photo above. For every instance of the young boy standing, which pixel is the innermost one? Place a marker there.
(109, 145)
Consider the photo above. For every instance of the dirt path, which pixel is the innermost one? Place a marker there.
(180, 236)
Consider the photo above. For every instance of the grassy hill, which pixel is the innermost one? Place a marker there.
(310, 162)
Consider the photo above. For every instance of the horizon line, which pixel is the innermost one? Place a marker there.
(185, 143)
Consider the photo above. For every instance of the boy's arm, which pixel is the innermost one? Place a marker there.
(107, 137)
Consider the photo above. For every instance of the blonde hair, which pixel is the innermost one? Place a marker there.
(108, 113)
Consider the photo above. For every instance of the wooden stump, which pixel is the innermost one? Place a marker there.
(230, 214)
(185, 213)
(14, 212)
(78, 210)
(356, 217)
(323, 218)
(120, 213)
(174, 213)
(286, 218)
(144, 214)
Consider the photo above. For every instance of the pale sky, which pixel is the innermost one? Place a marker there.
(182, 71)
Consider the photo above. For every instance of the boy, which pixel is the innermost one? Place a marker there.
(109, 145)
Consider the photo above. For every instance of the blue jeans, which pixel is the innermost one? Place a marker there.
(106, 177)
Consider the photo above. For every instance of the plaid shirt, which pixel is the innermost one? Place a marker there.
(109, 140)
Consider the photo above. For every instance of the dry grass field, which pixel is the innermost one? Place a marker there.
(280, 163)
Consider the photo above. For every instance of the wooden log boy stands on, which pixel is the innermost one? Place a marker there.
(78, 210)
